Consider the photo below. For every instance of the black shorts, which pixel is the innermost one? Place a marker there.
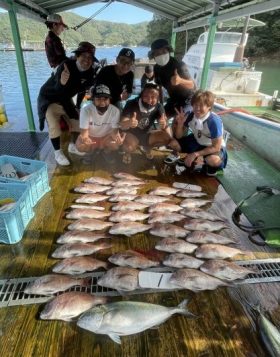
(141, 135)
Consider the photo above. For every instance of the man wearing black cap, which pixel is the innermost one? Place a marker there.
(173, 75)
(99, 123)
(53, 45)
(55, 98)
(148, 76)
(119, 77)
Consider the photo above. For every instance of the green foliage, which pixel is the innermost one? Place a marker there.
(100, 33)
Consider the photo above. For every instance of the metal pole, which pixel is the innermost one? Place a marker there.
(21, 67)
(209, 46)
(173, 37)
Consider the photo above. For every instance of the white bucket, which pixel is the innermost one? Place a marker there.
(252, 85)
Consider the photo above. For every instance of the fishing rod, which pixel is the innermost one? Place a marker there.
(258, 225)
(92, 16)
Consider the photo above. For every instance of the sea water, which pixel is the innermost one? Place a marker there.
(37, 71)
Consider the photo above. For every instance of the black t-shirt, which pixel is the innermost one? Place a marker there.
(145, 119)
(163, 76)
(117, 84)
(145, 80)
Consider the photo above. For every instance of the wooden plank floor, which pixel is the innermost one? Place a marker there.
(224, 326)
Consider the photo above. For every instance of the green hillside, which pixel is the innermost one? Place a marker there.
(100, 33)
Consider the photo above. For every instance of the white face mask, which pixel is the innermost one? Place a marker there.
(162, 60)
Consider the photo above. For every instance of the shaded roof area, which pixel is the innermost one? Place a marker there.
(195, 13)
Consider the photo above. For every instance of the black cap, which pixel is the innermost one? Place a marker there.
(160, 43)
(101, 91)
(127, 52)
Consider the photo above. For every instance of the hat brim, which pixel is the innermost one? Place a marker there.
(101, 95)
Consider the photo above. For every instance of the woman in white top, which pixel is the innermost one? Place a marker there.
(99, 123)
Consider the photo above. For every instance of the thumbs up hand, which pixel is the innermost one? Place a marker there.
(175, 79)
(133, 121)
(65, 74)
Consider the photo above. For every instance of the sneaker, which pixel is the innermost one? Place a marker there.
(60, 158)
(73, 150)
(211, 171)
(171, 159)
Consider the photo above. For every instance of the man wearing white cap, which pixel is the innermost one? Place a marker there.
(53, 45)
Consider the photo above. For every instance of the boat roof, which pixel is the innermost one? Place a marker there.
(195, 13)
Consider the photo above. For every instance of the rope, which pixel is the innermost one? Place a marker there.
(91, 17)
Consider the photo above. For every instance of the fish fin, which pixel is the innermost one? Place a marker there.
(116, 338)
(183, 309)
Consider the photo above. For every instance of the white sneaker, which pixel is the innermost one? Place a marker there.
(60, 158)
(73, 150)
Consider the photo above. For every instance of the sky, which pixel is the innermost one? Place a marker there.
(116, 12)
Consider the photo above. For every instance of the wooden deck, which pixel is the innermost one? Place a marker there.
(224, 326)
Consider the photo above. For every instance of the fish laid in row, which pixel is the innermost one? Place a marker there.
(91, 198)
(179, 260)
(195, 224)
(122, 197)
(128, 216)
(201, 214)
(159, 217)
(164, 207)
(79, 213)
(120, 278)
(96, 208)
(163, 191)
(129, 206)
(190, 194)
(133, 259)
(168, 230)
(129, 228)
(78, 249)
(99, 180)
(203, 237)
(174, 245)
(150, 199)
(81, 237)
(78, 265)
(89, 224)
(90, 188)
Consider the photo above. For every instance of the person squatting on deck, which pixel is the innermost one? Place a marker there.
(119, 77)
(173, 75)
(55, 98)
(99, 123)
(53, 45)
(205, 146)
(138, 119)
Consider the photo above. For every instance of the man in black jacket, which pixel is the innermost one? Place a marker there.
(55, 101)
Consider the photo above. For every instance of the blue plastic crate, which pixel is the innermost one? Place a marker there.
(14, 220)
(37, 179)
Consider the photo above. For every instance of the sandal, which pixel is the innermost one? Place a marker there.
(148, 154)
(126, 159)
(171, 159)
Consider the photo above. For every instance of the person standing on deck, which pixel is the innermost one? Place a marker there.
(55, 98)
(148, 76)
(138, 121)
(205, 146)
(99, 123)
(119, 77)
(53, 45)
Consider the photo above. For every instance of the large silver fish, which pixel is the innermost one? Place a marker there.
(81, 237)
(91, 198)
(168, 230)
(129, 206)
(78, 265)
(125, 176)
(193, 203)
(70, 305)
(128, 216)
(89, 224)
(195, 280)
(78, 249)
(163, 191)
(90, 188)
(125, 190)
(164, 207)
(201, 214)
(79, 213)
(203, 237)
(190, 194)
(151, 199)
(179, 260)
(120, 278)
(171, 217)
(53, 283)
(225, 270)
(125, 182)
(96, 208)
(133, 259)
(195, 224)
(216, 251)
(99, 180)
(122, 197)
(187, 186)
(125, 318)
(129, 228)
(175, 245)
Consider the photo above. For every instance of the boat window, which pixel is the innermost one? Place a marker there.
(201, 39)
(227, 37)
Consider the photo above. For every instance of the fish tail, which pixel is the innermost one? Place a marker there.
(85, 282)
(182, 309)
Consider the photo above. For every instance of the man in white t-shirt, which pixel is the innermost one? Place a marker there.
(99, 123)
